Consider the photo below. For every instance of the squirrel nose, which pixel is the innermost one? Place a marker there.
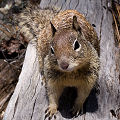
(64, 65)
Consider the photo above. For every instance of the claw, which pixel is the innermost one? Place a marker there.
(50, 118)
(42, 83)
(50, 111)
(46, 110)
(77, 114)
(47, 115)
(54, 116)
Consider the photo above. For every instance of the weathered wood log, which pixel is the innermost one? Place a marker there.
(29, 99)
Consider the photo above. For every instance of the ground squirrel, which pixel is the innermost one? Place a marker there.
(68, 51)
(67, 48)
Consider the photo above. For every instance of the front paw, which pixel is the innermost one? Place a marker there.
(51, 111)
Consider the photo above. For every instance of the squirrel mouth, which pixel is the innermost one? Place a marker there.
(66, 70)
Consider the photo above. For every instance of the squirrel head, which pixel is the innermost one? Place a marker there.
(69, 47)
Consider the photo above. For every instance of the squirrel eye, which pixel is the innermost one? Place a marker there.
(52, 50)
(76, 45)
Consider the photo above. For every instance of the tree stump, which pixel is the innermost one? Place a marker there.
(29, 100)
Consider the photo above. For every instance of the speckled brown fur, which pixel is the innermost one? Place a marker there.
(84, 65)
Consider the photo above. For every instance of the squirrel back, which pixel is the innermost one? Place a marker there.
(32, 20)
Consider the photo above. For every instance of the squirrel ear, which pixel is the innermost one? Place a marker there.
(75, 24)
(53, 29)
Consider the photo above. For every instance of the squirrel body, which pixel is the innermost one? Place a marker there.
(68, 50)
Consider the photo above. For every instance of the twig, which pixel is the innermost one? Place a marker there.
(118, 10)
(8, 28)
(118, 34)
(6, 32)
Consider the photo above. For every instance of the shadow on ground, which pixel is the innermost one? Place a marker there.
(67, 100)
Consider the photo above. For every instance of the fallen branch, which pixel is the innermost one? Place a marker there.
(7, 33)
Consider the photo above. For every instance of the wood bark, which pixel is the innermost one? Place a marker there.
(29, 99)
